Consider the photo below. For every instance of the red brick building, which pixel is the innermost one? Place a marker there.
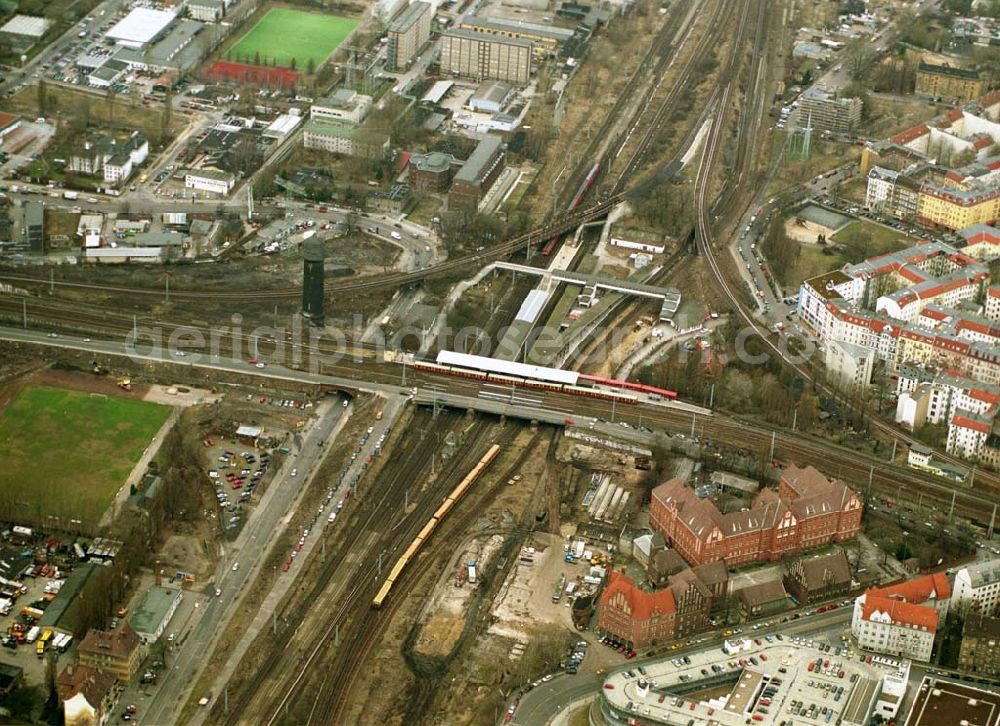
(808, 511)
(634, 616)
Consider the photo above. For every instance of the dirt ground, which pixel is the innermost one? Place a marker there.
(174, 396)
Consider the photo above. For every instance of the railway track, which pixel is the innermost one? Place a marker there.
(329, 707)
(272, 690)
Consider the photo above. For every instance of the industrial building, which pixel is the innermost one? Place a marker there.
(948, 82)
(821, 109)
(484, 56)
(407, 35)
(141, 27)
(313, 257)
(23, 31)
(945, 703)
(477, 174)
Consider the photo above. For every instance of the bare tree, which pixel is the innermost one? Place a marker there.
(859, 55)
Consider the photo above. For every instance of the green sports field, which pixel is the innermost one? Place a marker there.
(65, 453)
(283, 34)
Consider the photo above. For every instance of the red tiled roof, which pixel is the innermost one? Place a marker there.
(969, 423)
(642, 604)
(904, 613)
(917, 590)
(993, 291)
(910, 134)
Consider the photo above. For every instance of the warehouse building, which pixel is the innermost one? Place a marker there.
(141, 27)
(23, 31)
(407, 35)
(478, 174)
(482, 56)
(821, 109)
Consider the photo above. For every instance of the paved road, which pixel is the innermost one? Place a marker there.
(263, 528)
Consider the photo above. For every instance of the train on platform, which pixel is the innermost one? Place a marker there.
(477, 367)
(449, 503)
(577, 200)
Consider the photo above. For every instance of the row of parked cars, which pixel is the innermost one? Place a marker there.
(237, 472)
(613, 642)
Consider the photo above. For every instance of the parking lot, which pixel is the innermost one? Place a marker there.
(756, 679)
(25, 655)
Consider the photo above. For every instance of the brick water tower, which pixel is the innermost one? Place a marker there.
(312, 280)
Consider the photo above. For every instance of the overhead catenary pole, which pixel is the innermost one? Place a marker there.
(993, 517)
(951, 510)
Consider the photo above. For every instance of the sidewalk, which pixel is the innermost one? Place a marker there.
(287, 580)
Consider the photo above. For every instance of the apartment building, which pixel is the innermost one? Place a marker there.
(982, 242)
(991, 306)
(948, 82)
(977, 587)
(808, 510)
(825, 110)
(902, 620)
(848, 366)
(116, 652)
(485, 56)
(980, 649)
(98, 150)
(407, 35)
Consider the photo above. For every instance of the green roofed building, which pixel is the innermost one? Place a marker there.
(153, 615)
(63, 612)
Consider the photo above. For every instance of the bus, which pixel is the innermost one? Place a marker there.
(43, 643)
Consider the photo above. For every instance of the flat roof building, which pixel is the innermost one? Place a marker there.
(343, 106)
(28, 26)
(344, 139)
(484, 56)
(407, 35)
(548, 37)
(153, 615)
(943, 703)
(141, 27)
(824, 110)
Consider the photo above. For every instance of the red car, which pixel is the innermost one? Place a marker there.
(630, 655)
(252, 361)
(288, 563)
(762, 656)
(756, 641)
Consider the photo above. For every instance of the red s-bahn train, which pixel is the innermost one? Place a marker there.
(651, 391)
(577, 200)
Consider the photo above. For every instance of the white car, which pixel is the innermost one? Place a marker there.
(295, 472)
(236, 566)
(180, 353)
